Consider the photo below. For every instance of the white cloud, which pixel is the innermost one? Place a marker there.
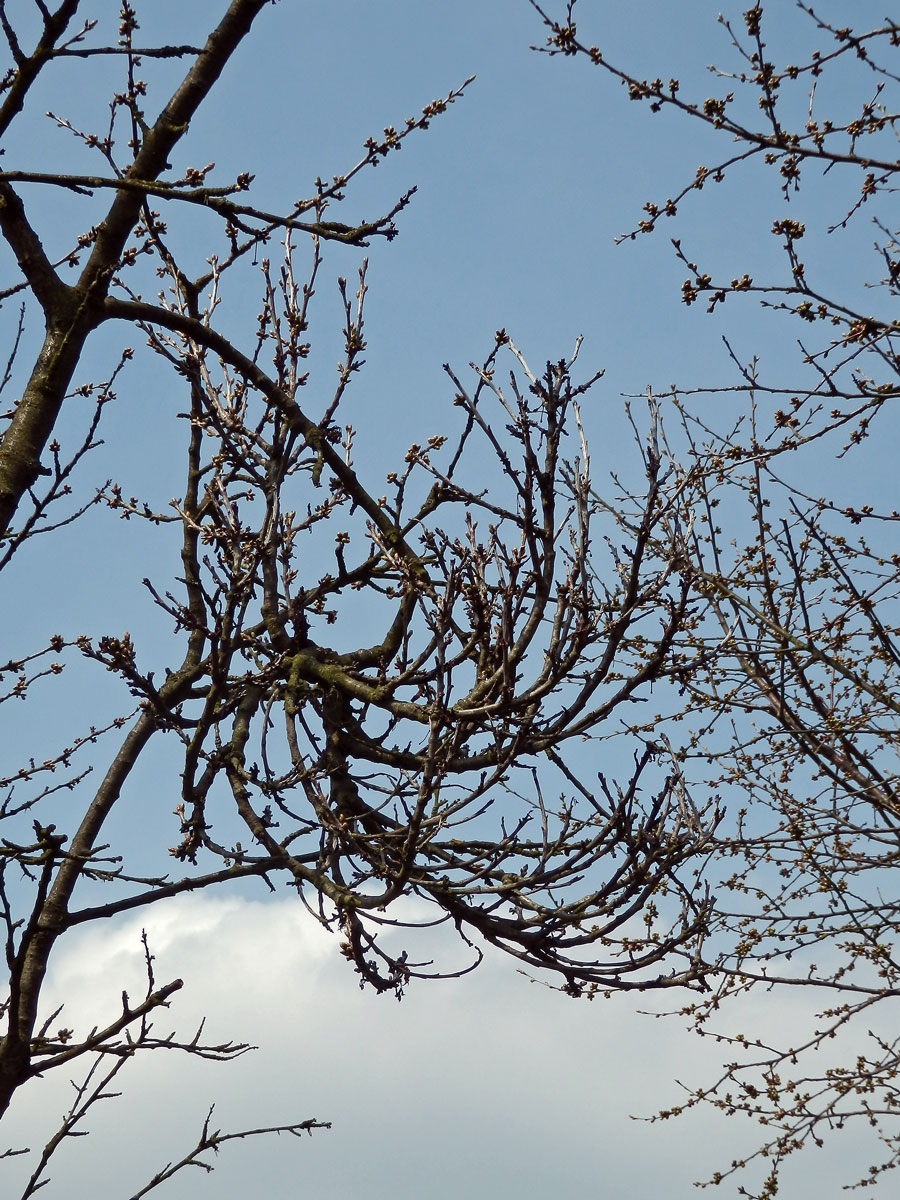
(483, 1086)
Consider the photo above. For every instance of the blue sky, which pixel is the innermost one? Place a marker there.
(485, 1086)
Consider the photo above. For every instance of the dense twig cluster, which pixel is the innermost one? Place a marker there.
(388, 690)
(391, 691)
